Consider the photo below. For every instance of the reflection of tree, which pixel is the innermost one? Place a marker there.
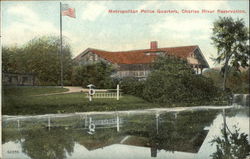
(174, 132)
(186, 131)
(232, 145)
(11, 135)
(102, 138)
(44, 144)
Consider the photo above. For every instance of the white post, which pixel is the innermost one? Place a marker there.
(91, 92)
(86, 121)
(117, 123)
(18, 124)
(175, 115)
(157, 123)
(49, 123)
(244, 100)
(90, 120)
(117, 92)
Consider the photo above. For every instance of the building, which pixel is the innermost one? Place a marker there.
(136, 63)
(16, 79)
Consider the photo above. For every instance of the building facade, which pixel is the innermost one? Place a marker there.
(136, 63)
(16, 79)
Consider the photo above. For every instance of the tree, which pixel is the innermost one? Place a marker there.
(132, 86)
(97, 74)
(12, 59)
(237, 82)
(231, 38)
(41, 57)
(231, 145)
(173, 81)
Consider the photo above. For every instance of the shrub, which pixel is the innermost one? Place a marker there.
(130, 85)
(173, 81)
(97, 74)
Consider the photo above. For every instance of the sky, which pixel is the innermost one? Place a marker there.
(95, 27)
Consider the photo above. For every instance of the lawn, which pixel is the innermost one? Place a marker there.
(20, 101)
(29, 91)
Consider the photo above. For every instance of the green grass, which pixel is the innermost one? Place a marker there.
(29, 91)
(21, 102)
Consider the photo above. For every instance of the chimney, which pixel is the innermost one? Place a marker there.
(153, 45)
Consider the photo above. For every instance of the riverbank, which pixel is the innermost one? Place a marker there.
(123, 112)
(32, 101)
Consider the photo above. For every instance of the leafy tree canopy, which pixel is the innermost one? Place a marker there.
(237, 82)
(173, 81)
(231, 38)
(41, 57)
(97, 74)
(233, 145)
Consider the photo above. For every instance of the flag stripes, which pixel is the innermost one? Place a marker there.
(67, 11)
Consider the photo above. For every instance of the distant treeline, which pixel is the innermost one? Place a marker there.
(41, 57)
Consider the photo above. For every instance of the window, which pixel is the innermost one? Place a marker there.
(91, 58)
(96, 57)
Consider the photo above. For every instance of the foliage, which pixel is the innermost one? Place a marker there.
(130, 85)
(12, 59)
(97, 74)
(231, 146)
(172, 65)
(237, 82)
(41, 57)
(173, 81)
(231, 38)
(44, 144)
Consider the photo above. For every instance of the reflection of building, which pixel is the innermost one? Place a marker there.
(136, 63)
(18, 79)
(184, 132)
(179, 136)
(104, 123)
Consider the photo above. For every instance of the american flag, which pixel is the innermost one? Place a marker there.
(67, 11)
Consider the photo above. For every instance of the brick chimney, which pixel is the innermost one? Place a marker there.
(153, 45)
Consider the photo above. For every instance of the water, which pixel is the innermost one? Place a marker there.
(241, 99)
(185, 134)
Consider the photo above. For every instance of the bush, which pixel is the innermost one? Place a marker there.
(39, 57)
(161, 87)
(132, 86)
(173, 81)
(97, 74)
(237, 81)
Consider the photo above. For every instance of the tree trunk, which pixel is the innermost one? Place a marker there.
(225, 73)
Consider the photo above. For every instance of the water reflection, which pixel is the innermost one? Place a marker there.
(159, 135)
(232, 144)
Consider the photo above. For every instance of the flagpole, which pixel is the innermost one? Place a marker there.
(61, 57)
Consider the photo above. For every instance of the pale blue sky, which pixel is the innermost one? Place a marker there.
(96, 28)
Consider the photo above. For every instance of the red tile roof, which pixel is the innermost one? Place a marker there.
(140, 56)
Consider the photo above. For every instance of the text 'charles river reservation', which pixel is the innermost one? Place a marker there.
(185, 11)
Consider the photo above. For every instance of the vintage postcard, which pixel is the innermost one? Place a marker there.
(125, 79)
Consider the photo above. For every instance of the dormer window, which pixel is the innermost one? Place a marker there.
(154, 53)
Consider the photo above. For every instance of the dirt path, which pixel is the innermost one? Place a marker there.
(72, 89)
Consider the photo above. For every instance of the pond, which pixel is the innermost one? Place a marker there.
(182, 134)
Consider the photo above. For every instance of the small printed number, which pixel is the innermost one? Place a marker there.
(12, 151)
